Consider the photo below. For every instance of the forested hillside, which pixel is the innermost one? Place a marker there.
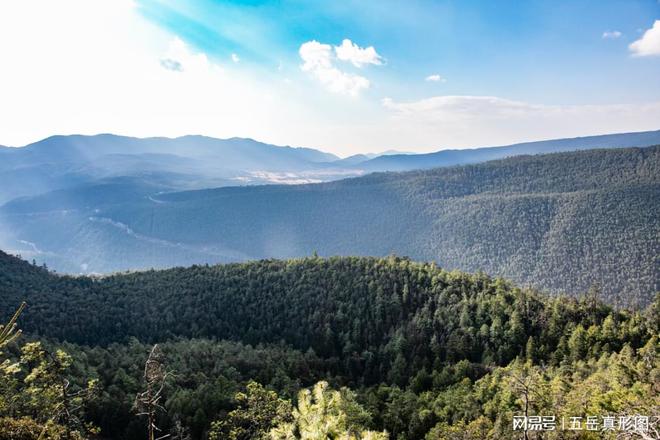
(560, 222)
(427, 352)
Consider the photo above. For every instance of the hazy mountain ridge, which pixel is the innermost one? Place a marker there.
(561, 222)
(84, 147)
(197, 162)
(402, 162)
(187, 162)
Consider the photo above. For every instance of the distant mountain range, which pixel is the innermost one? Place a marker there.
(198, 162)
(560, 222)
(405, 162)
(173, 164)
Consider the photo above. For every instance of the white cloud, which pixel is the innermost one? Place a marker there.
(193, 62)
(235, 58)
(611, 35)
(318, 59)
(461, 121)
(358, 56)
(315, 55)
(435, 78)
(649, 44)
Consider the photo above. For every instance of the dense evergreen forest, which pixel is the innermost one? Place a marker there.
(314, 348)
(558, 222)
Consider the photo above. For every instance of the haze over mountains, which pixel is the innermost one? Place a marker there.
(560, 222)
(197, 162)
(405, 162)
(181, 163)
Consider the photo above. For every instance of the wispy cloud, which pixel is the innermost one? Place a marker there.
(235, 58)
(459, 120)
(649, 44)
(611, 35)
(435, 78)
(444, 108)
(170, 64)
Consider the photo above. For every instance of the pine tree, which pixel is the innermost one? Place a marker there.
(324, 414)
(259, 410)
(578, 344)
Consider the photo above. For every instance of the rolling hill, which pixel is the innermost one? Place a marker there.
(426, 351)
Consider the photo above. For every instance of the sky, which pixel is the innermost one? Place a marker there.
(345, 77)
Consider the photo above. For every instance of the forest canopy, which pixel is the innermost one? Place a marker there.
(390, 348)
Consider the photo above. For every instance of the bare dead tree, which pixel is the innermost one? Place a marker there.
(179, 432)
(524, 383)
(652, 431)
(72, 404)
(147, 403)
(10, 331)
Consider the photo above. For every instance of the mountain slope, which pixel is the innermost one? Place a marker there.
(403, 162)
(560, 222)
(197, 162)
(313, 302)
(187, 162)
(422, 347)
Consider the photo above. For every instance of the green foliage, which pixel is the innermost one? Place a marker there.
(37, 386)
(615, 384)
(25, 428)
(325, 414)
(428, 353)
(258, 411)
(350, 309)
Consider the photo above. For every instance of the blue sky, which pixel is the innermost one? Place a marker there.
(343, 76)
(550, 51)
